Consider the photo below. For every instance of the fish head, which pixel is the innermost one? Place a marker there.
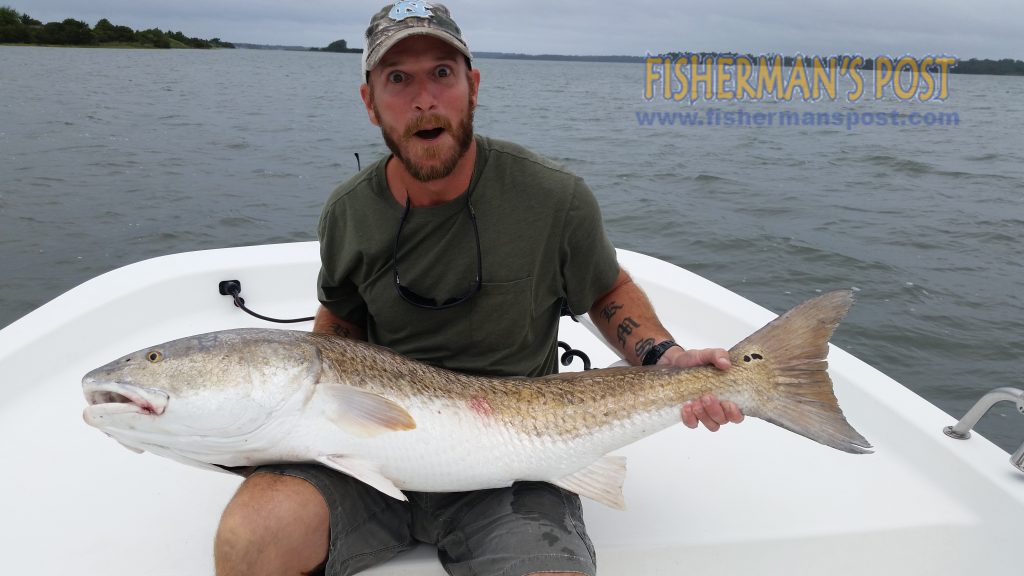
(218, 388)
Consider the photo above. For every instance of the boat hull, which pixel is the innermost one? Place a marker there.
(749, 499)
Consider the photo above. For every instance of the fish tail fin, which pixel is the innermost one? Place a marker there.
(801, 398)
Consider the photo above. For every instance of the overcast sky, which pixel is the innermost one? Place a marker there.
(976, 29)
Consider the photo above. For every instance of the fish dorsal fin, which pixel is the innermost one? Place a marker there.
(601, 481)
(364, 414)
(364, 471)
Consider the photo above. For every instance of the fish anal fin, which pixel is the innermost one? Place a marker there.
(364, 414)
(365, 471)
(601, 481)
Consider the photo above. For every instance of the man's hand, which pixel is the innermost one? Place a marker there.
(708, 410)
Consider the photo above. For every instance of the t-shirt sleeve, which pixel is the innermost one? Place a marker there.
(589, 263)
(335, 289)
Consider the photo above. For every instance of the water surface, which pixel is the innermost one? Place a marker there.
(109, 157)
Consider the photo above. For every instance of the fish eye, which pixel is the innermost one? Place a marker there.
(154, 356)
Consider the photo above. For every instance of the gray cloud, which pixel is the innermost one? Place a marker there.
(982, 29)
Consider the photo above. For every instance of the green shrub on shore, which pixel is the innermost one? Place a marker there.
(18, 28)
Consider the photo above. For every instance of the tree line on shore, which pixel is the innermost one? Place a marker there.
(340, 46)
(18, 28)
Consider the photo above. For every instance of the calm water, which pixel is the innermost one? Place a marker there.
(108, 157)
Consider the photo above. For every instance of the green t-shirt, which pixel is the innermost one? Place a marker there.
(541, 238)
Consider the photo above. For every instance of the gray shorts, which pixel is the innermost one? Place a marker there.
(528, 527)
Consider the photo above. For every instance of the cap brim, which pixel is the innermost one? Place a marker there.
(370, 60)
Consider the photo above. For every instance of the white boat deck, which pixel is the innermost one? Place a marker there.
(752, 499)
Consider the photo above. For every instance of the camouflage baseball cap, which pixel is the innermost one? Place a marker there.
(401, 20)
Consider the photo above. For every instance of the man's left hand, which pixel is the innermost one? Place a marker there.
(707, 410)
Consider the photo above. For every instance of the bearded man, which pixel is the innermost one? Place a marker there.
(461, 251)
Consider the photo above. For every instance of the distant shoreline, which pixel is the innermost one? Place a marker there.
(1003, 67)
(23, 30)
(559, 57)
(486, 55)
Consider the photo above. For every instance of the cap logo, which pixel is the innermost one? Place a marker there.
(403, 10)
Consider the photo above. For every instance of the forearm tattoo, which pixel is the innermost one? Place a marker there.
(625, 329)
(643, 347)
(339, 330)
(610, 311)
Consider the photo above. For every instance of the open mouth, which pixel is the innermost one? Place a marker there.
(429, 135)
(107, 398)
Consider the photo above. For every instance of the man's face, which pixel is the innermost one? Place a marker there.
(422, 95)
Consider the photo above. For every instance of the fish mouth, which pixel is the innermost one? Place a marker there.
(108, 398)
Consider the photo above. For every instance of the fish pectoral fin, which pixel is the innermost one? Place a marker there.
(601, 481)
(365, 471)
(365, 414)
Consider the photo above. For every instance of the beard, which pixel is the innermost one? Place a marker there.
(429, 160)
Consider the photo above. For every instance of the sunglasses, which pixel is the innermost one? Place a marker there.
(424, 302)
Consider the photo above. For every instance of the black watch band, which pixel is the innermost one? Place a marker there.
(655, 354)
